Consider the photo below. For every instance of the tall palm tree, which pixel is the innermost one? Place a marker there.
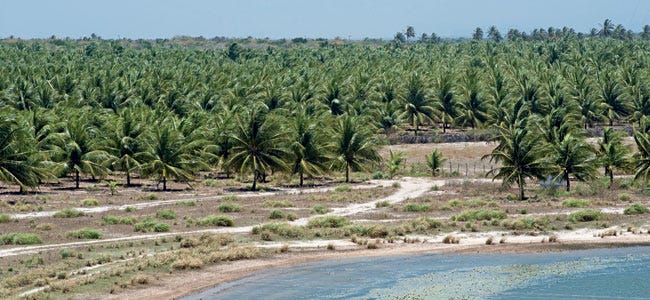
(259, 144)
(308, 147)
(125, 141)
(354, 144)
(613, 154)
(418, 108)
(574, 156)
(614, 105)
(642, 157)
(445, 104)
(473, 108)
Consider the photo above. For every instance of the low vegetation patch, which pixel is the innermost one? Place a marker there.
(216, 220)
(343, 188)
(586, 215)
(20, 239)
(111, 220)
(5, 218)
(151, 225)
(575, 203)
(479, 215)
(636, 209)
(84, 234)
(328, 222)
(45, 226)
(414, 207)
(282, 229)
(229, 207)
(90, 202)
(68, 213)
(167, 214)
(380, 204)
(319, 209)
(186, 203)
(276, 214)
(278, 203)
(526, 223)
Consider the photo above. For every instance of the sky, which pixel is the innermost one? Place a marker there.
(355, 19)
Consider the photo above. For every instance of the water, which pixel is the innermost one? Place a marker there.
(620, 273)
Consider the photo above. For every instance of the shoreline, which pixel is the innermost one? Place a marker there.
(194, 282)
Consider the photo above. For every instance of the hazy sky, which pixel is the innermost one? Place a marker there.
(304, 18)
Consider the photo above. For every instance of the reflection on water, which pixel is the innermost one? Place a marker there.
(620, 273)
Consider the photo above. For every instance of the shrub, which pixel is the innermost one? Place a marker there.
(282, 229)
(479, 215)
(130, 209)
(4, 218)
(186, 203)
(229, 207)
(378, 175)
(276, 214)
(319, 209)
(110, 219)
(451, 239)
(68, 213)
(151, 225)
(380, 204)
(292, 217)
(20, 239)
(167, 214)
(414, 207)
(423, 224)
(328, 222)
(342, 188)
(210, 182)
(85, 233)
(188, 262)
(151, 196)
(586, 215)
(525, 223)
(624, 197)
(278, 204)
(636, 209)
(90, 202)
(66, 253)
(45, 226)
(216, 220)
(575, 203)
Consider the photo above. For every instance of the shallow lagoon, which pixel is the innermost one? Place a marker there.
(618, 273)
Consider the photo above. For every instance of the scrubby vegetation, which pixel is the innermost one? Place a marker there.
(85, 233)
(20, 239)
(150, 225)
(216, 220)
(68, 213)
(636, 209)
(587, 215)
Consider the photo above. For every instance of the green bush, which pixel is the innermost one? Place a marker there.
(414, 207)
(90, 202)
(586, 215)
(276, 214)
(151, 196)
(130, 209)
(479, 215)
(526, 223)
(4, 218)
(229, 207)
(278, 204)
(575, 203)
(85, 233)
(624, 197)
(636, 209)
(68, 213)
(20, 239)
(216, 220)
(186, 203)
(150, 225)
(282, 229)
(328, 222)
(110, 220)
(167, 214)
(319, 209)
(342, 188)
(378, 175)
(380, 204)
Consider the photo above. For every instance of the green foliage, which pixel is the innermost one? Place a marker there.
(382, 204)
(150, 225)
(434, 162)
(479, 215)
(414, 207)
(342, 188)
(278, 203)
(395, 163)
(110, 220)
(586, 215)
(319, 209)
(4, 218)
(68, 213)
(90, 202)
(575, 203)
(85, 234)
(167, 214)
(276, 214)
(20, 239)
(229, 207)
(328, 222)
(186, 203)
(216, 220)
(636, 209)
(354, 145)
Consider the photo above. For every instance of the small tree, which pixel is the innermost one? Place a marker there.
(395, 163)
(434, 162)
(612, 153)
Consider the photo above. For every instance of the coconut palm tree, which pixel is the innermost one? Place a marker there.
(434, 162)
(613, 154)
(354, 144)
(125, 141)
(614, 106)
(574, 156)
(417, 107)
(445, 104)
(310, 152)
(259, 144)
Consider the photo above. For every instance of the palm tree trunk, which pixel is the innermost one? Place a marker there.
(347, 172)
(128, 178)
(611, 178)
(164, 179)
(254, 181)
(415, 122)
(444, 126)
(76, 178)
(520, 183)
(568, 182)
(301, 178)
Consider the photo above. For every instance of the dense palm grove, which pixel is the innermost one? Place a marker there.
(165, 111)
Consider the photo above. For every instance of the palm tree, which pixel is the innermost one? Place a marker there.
(20, 162)
(494, 34)
(395, 162)
(607, 29)
(445, 102)
(354, 144)
(80, 150)
(478, 34)
(417, 107)
(642, 157)
(520, 155)
(473, 109)
(434, 162)
(574, 156)
(259, 144)
(410, 32)
(613, 154)
(614, 105)
(308, 148)
(125, 141)
(170, 154)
